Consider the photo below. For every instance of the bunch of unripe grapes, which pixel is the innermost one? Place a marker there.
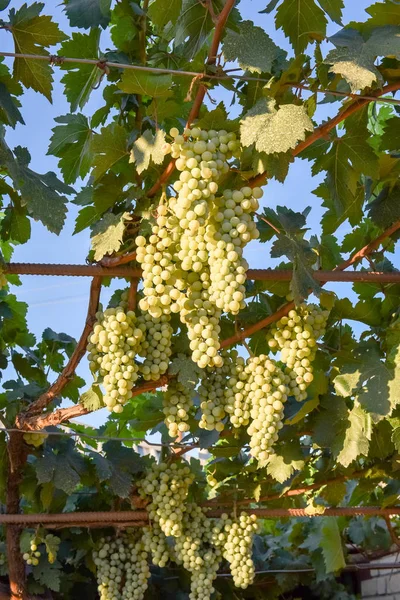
(112, 349)
(177, 406)
(34, 439)
(267, 395)
(155, 543)
(194, 551)
(214, 391)
(122, 567)
(232, 229)
(155, 346)
(235, 535)
(168, 487)
(237, 394)
(32, 557)
(296, 335)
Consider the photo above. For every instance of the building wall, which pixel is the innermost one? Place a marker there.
(383, 584)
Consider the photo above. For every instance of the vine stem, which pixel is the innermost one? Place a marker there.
(132, 294)
(201, 92)
(69, 370)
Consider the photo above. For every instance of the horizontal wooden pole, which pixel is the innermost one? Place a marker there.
(253, 274)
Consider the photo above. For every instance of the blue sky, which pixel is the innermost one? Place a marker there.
(60, 303)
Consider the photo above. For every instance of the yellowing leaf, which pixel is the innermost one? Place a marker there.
(148, 147)
(274, 130)
(110, 238)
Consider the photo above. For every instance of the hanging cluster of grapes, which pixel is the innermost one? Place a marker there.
(168, 487)
(156, 345)
(155, 543)
(177, 406)
(193, 260)
(235, 536)
(122, 567)
(216, 389)
(296, 335)
(112, 348)
(34, 439)
(32, 557)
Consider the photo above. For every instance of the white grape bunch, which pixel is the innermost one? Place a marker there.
(193, 549)
(122, 567)
(112, 349)
(155, 543)
(296, 335)
(214, 391)
(235, 536)
(267, 394)
(238, 394)
(168, 487)
(34, 439)
(155, 346)
(32, 557)
(177, 406)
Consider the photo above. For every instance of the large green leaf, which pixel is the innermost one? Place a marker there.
(145, 84)
(193, 26)
(354, 58)
(331, 545)
(161, 13)
(42, 194)
(110, 147)
(80, 79)
(301, 21)
(273, 130)
(286, 459)
(148, 147)
(9, 108)
(384, 13)
(71, 142)
(390, 139)
(251, 47)
(33, 33)
(88, 13)
(385, 209)
(333, 8)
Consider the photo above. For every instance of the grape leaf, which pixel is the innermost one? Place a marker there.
(303, 258)
(80, 80)
(301, 21)
(385, 209)
(16, 225)
(384, 13)
(161, 13)
(9, 107)
(48, 575)
(33, 33)
(148, 147)
(331, 545)
(146, 84)
(188, 373)
(110, 147)
(251, 47)
(88, 13)
(102, 465)
(86, 218)
(389, 139)
(333, 8)
(40, 193)
(274, 130)
(92, 399)
(109, 239)
(52, 543)
(193, 27)
(354, 58)
(71, 142)
(375, 384)
(287, 459)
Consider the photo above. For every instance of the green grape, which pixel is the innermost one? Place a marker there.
(112, 349)
(177, 405)
(238, 401)
(32, 557)
(214, 391)
(235, 536)
(155, 543)
(167, 486)
(156, 345)
(296, 335)
(267, 390)
(122, 567)
(35, 439)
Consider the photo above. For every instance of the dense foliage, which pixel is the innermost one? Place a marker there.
(306, 412)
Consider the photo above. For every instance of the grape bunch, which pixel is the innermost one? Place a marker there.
(34, 439)
(122, 567)
(236, 538)
(155, 346)
(112, 349)
(233, 228)
(194, 550)
(32, 557)
(167, 486)
(177, 405)
(215, 390)
(296, 335)
(237, 394)
(155, 543)
(267, 394)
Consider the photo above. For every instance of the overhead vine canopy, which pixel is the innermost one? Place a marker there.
(296, 399)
